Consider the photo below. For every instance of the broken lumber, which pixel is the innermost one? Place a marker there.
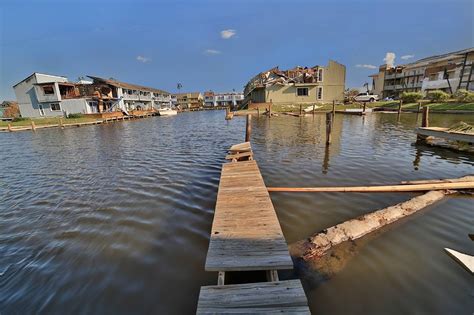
(318, 244)
(466, 261)
(389, 188)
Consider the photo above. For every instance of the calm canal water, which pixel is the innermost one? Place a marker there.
(115, 219)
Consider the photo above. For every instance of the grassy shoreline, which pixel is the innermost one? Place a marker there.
(46, 121)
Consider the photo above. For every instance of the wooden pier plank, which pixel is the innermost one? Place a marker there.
(445, 134)
(280, 297)
(246, 233)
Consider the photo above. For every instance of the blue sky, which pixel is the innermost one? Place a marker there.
(158, 44)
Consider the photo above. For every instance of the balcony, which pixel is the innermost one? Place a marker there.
(439, 84)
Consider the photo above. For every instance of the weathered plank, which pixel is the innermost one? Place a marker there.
(246, 234)
(280, 297)
(445, 134)
(241, 147)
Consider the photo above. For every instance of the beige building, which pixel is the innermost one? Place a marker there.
(448, 72)
(300, 85)
(189, 100)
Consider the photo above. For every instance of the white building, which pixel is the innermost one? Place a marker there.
(44, 95)
(233, 99)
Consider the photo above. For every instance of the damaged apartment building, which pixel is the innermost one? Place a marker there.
(44, 95)
(447, 72)
(300, 85)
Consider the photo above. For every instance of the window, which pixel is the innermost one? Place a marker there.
(320, 93)
(320, 75)
(55, 106)
(48, 90)
(302, 92)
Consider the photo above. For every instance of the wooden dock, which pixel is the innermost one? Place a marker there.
(246, 236)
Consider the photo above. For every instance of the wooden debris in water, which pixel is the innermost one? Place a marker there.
(466, 261)
(319, 243)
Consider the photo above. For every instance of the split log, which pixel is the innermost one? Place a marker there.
(390, 188)
(318, 244)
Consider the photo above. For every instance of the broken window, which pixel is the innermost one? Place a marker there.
(48, 90)
(320, 93)
(320, 75)
(55, 106)
(302, 92)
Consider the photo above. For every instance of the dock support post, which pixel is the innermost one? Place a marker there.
(333, 107)
(419, 106)
(248, 128)
(258, 111)
(400, 107)
(10, 127)
(227, 110)
(314, 107)
(33, 126)
(270, 109)
(424, 123)
(61, 123)
(221, 278)
(365, 104)
(301, 110)
(328, 127)
(272, 275)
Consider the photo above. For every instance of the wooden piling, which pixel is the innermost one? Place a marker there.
(424, 118)
(400, 107)
(419, 106)
(10, 127)
(61, 123)
(365, 104)
(270, 109)
(314, 108)
(329, 117)
(33, 126)
(333, 108)
(301, 110)
(248, 128)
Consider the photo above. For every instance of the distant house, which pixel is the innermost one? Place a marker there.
(300, 85)
(191, 100)
(232, 99)
(447, 72)
(44, 95)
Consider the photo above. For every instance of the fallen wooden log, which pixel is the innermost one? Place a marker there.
(389, 188)
(317, 245)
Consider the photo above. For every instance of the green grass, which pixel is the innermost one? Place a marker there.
(45, 121)
(443, 106)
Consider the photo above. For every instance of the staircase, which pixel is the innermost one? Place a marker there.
(465, 76)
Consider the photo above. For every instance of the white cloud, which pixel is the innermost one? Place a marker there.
(366, 66)
(407, 57)
(389, 59)
(211, 52)
(143, 59)
(226, 34)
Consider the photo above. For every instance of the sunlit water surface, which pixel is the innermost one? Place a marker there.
(115, 219)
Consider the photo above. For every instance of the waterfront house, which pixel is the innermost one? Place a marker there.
(232, 99)
(447, 72)
(192, 100)
(45, 95)
(300, 85)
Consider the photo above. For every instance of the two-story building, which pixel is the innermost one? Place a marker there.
(300, 85)
(45, 95)
(448, 72)
(232, 99)
(191, 100)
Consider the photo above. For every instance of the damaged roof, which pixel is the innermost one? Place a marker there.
(120, 84)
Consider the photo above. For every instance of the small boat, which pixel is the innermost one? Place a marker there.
(167, 111)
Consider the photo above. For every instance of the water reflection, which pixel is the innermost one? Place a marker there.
(103, 219)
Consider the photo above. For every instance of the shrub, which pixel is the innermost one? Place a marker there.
(437, 96)
(411, 97)
(464, 96)
(77, 115)
(19, 119)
